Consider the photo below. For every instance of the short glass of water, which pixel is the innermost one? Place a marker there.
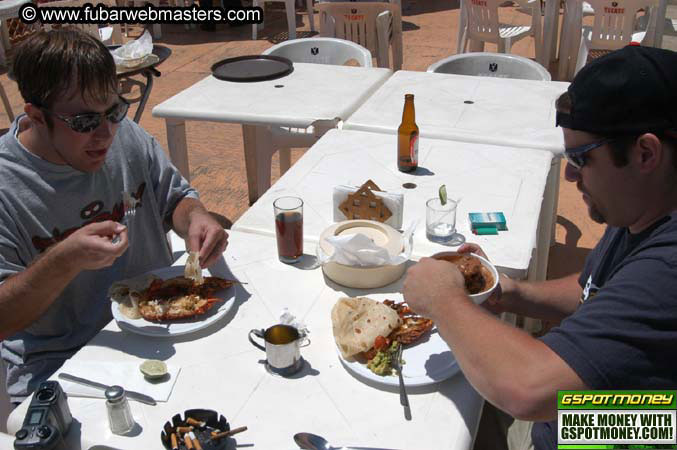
(440, 220)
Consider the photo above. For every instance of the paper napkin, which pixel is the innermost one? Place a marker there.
(125, 374)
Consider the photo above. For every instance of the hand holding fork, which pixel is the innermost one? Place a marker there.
(129, 208)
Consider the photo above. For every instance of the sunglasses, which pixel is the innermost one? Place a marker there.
(85, 123)
(576, 155)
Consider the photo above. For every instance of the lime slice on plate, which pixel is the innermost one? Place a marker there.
(443, 194)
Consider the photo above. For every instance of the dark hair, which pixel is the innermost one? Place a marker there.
(47, 64)
(621, 144)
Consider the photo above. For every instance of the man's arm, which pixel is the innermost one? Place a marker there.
(511, 369)
(202, 232)
(24, 297)
(551, 300)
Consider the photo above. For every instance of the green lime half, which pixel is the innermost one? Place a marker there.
(443, 194)
(153, 369)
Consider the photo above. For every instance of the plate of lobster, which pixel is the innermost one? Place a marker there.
(356, 321)
(164, 302)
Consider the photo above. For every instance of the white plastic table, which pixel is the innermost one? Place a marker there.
(221, 370)
(486, 177)
(502, 111)
(311, 93)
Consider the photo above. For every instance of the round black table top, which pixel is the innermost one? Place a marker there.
(160, 51)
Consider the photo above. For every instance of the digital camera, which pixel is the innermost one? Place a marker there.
(47, 420)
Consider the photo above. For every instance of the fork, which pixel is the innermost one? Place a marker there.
(129, 208)
(404, 400)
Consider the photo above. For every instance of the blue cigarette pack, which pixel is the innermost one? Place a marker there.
(487, 223)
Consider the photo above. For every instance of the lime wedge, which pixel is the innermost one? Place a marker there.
(443, 194)
(153, 369)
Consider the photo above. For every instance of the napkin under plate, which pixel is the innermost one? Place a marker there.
(124, 374)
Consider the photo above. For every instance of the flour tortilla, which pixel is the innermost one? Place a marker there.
(358, 321)
(128, 292)
(193, 270)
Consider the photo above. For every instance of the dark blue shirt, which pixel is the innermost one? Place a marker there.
(624, 333)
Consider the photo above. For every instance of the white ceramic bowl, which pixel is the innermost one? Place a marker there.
(363, 277)
(481, 296)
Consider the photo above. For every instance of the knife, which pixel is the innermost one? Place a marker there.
(143, 398)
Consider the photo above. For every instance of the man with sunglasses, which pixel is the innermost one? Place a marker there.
(617, 317)
(66, 165)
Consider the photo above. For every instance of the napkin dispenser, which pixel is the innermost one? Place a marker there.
(363, 277)
(392, 201)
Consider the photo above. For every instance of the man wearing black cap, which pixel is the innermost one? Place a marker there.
(617, 316)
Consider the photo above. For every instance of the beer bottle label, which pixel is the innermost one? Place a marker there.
(413, 148)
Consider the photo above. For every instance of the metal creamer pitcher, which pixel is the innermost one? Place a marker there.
(283, 348)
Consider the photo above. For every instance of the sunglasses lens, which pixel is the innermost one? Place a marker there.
(118, 113)
(84, 123)
(575, 160)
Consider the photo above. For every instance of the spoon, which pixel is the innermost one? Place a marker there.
(310, 441)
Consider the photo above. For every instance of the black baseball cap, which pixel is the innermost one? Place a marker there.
(629, 91)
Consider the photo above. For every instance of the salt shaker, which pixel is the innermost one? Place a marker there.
(119, 414)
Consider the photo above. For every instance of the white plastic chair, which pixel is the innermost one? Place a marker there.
(156, 29)
(664, 25)
(614, 26)
(317, 50)
(478, 23)
(110, 34)
(376, 26)
(491, 65)
(290, 8)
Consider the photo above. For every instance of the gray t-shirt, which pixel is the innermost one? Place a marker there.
(41, 203)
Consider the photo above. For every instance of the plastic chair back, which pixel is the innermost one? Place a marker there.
(482, 17)
(614, 22)
(373, 25)
(321, 50)
(498, 65)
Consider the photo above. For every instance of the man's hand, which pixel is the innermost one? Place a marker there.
(493, 303)
(91, 247)
(206, 236)
(430, 283)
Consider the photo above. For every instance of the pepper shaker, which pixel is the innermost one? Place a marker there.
(119, 413)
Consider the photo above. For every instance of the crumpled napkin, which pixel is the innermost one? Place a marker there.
(133, 52)
(125, 374)
(287, 318)
(359, 250)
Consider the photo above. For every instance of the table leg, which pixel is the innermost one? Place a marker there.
(176, 141)
(258, 158)
(144, 96)
(550, 28)
(546, 223)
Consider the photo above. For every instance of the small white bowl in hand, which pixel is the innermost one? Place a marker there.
(480, 297)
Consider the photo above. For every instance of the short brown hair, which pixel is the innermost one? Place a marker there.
(47, 63)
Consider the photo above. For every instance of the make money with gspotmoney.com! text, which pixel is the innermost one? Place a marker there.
(147, 14)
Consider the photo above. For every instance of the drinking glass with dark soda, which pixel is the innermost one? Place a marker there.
(289, 228)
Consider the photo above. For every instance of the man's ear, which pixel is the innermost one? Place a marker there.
(648, 152)
(36, 114)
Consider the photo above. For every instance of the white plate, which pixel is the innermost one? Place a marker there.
(176, 328)
(426, 362)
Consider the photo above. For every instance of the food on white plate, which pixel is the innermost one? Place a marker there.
(357, 334)
(165, 300)
(193, 269)
(358, 321)
(128, 292)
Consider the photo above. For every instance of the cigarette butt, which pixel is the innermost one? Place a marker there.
(174, 441)
(196, 441)
(184, 430)
(194, 422)
(228, 433)
(189, 442)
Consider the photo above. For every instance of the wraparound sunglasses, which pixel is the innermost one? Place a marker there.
(576, 155)
(84, 123)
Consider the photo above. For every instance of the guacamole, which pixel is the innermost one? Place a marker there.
(381, 363)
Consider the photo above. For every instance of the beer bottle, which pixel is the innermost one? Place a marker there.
(407, 137)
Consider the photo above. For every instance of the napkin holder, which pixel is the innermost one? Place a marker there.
(363, 277)
(368, 202)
